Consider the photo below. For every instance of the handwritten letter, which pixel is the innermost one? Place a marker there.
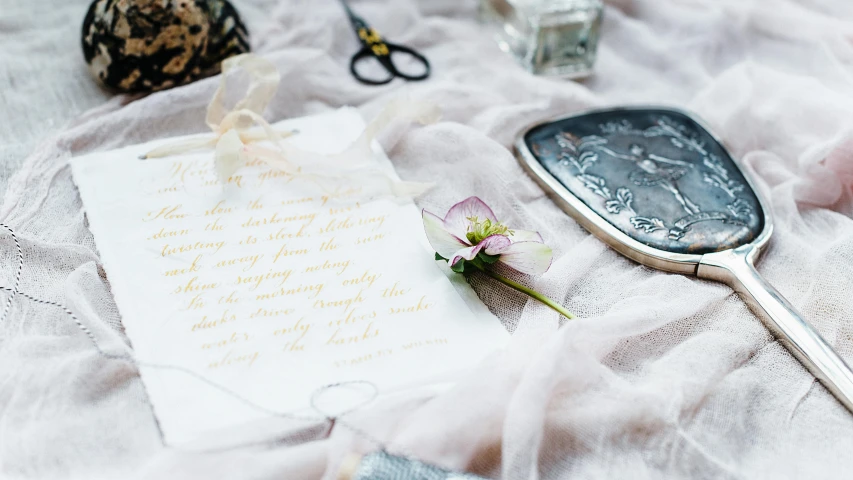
(270, 285)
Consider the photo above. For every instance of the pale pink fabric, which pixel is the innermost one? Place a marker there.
(663, 376)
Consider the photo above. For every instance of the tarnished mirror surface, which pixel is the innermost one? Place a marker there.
(655, 174)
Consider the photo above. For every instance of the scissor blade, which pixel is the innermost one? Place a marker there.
(356, 21)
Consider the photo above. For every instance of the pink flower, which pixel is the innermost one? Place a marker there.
(470, 232)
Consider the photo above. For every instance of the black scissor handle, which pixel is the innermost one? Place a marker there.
(385, 62)
(392, 47)
(383, 52)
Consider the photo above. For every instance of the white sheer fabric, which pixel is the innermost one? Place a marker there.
(663, 376)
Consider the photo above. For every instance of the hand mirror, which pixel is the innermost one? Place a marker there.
(659, 188)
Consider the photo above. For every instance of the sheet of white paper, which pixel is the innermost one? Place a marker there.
(269, 285)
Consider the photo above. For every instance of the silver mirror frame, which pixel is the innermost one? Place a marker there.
(735, 267)
(671, 262)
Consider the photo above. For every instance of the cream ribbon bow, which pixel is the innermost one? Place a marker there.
(236, 135)
(231, 129)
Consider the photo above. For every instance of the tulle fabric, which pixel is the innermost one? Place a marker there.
(661, 376)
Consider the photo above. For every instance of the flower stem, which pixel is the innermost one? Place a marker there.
(528, 291)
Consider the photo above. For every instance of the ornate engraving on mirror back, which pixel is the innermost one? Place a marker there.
(656, 175)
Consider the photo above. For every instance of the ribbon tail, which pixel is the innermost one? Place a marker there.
(179, 147)
(255, 135)
(424, 113)
(229, 156)
(263, 83)
(410, 189)
(272, 158)
(356, 164)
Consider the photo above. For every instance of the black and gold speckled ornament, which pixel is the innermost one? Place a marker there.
(147, 45)
(227, 35)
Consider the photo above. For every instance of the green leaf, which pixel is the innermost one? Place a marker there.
(478, 262)
(459, 267)
(488, 259)
(439, 257)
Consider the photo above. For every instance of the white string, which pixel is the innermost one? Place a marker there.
(18, 274)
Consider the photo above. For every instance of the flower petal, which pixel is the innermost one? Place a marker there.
(495, 244)
(456, 221)
(533, 258)
(465, 253)
(525, 236)
(444, 243)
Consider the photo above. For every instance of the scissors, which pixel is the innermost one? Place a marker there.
(374, 46)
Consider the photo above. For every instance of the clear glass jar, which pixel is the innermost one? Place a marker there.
(548, 37)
